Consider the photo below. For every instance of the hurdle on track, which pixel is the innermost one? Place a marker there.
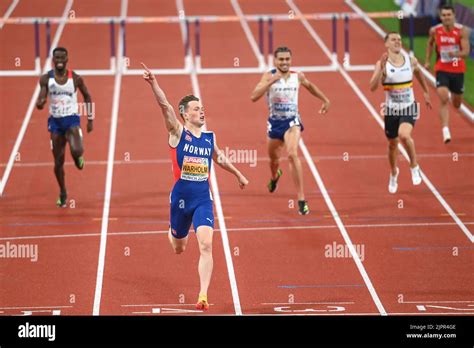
(37, 70)
(180, 71)
(192, 60)
(113, 57)
(178, 19)
(347, 56)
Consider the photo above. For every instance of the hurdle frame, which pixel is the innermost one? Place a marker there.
(37, 70)
(113, 58)
(172, 71)
(192, 60)
(347, 56)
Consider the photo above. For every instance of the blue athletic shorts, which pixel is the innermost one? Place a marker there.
(187, 210)
(60, 125)
(278, 128)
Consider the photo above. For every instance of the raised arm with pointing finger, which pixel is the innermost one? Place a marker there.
(173, 126)
(192, 149)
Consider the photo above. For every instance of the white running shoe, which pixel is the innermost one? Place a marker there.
(393, 182)
(446, 135)
(415, 175)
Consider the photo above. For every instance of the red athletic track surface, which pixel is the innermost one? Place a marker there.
(279, 257)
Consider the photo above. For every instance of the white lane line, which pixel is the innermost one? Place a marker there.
(41, 307)
(52, 236)
(402, 225)
(240, 229)
(258, 159)
(376, 117)
(315, 314)
(110, 169)
(215, 189)
(248, 33)
(432, 313)
(342, 229)
(304, 303)
(424, 302)
(31, 106)
(358, 314)
(322, 187)
(222, 223)
(9, 11)
(162, 304)
(428, 183)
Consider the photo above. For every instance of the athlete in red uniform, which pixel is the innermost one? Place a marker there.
(452, 46)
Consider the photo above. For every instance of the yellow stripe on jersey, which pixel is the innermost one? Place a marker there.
(397, 86)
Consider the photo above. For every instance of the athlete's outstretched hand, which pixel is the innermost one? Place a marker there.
(242, 181)
(148, 75)
(325, 107)
(427, 100)
(277, 76)
(40, 103)
(90, 126)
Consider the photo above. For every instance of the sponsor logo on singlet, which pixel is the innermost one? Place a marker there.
(447, 39)
(195, 168)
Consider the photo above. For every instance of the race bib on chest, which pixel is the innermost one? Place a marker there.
(284, 109)
(401, 95)
(62, 107)
(444, 53)
(195, 169)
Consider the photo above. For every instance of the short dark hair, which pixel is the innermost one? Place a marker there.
(390, 33)
(447, 7)
(60, 49)
(281, 49)
(184, 103)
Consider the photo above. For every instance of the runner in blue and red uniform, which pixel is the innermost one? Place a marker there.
(64, 125)
(192, 151)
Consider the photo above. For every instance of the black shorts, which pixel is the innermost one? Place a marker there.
(394, 118)
(453, 81)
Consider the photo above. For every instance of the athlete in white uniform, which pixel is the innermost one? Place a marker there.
(395, 71)
(60, 85)
(281, 86)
